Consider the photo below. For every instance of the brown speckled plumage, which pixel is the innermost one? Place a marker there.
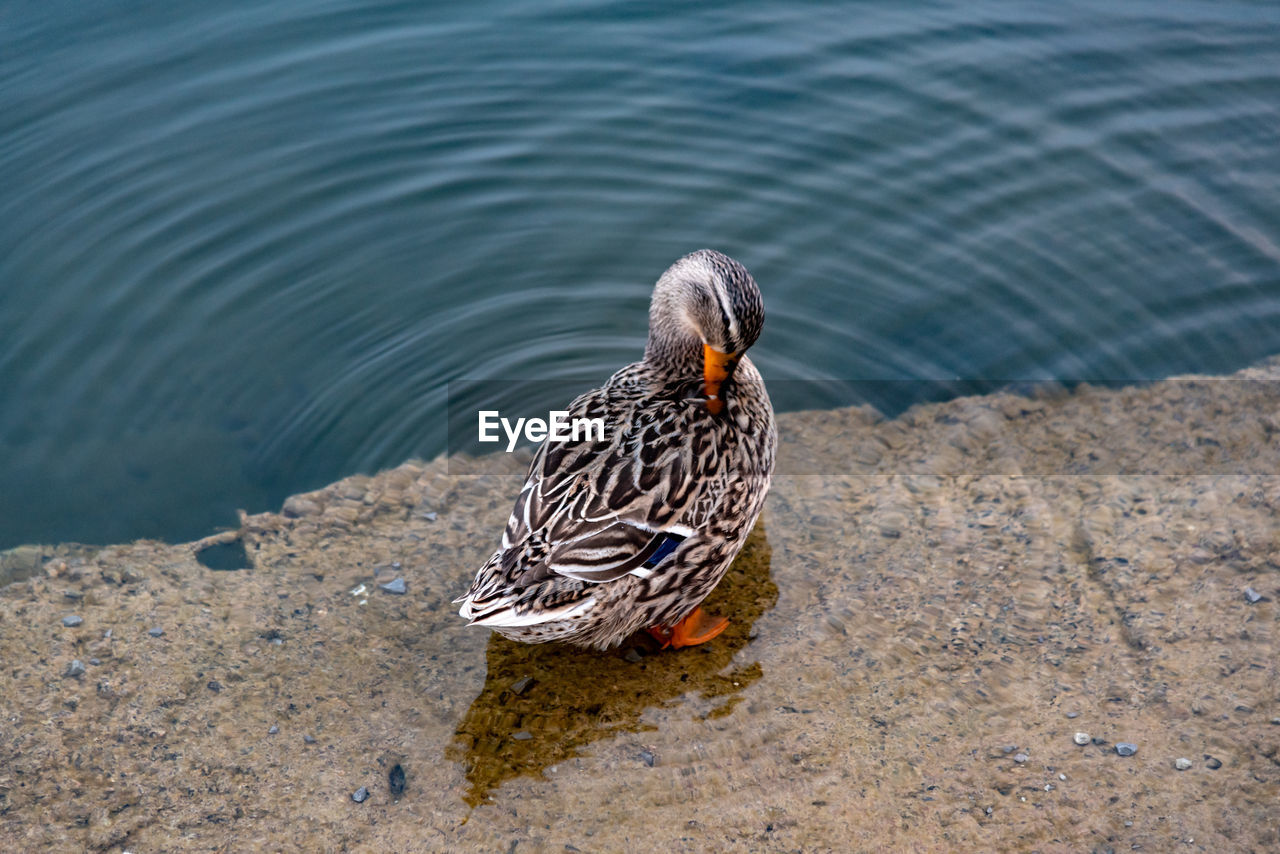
(572, 565)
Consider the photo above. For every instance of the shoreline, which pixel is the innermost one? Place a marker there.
(931, 609)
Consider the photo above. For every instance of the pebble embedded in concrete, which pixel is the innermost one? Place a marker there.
(1182, 763)
(1021, 757)
(72, 621)
(1212, 762)
(396, 780)
(1081, 738)
(1252, 595)
(75, 669)
(360, 795)
(1124, 748)
(156, 632)
(397, 587)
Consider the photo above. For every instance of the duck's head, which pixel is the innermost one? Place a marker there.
(706, 310)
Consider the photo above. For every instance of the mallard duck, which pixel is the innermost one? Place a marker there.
(632, 532)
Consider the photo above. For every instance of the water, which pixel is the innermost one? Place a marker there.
(243, 251)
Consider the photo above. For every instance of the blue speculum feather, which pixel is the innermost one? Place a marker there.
(666, 547)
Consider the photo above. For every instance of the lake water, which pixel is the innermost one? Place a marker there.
(245, 249)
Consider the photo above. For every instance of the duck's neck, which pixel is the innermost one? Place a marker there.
(672, 347)
(677, 358)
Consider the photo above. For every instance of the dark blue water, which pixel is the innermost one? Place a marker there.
(244, 247)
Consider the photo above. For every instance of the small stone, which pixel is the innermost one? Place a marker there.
(648, 757)
(273, 730)
(215, 686)
(1124, 748)
(296, 505)
(397, 587)
(1253, 595)
(522, 735)
(156, 632)
(1182, 763)
(430, 516)
(632, 655)
(396, 781)
(1099, 740)
(1009, 748)
(1021, 757)
(395, 564)
(95, 661)
(1072, 715)
(360, 795)
(522, 684)
(1213, 762)
(74, 670)
(309, 739)
(72, 621)
(1275, 721)
(1062, 777)
(1081, 738)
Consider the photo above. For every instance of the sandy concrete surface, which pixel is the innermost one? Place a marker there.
(930, 610)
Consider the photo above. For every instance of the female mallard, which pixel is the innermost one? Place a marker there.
(609, 537)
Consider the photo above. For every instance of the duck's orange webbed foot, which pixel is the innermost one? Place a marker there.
(698, 627)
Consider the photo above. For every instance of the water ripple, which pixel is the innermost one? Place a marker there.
(272, 237)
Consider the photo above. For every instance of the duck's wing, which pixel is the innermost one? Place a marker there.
(596, 511)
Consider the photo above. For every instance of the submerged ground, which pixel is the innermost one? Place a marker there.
(929, 612)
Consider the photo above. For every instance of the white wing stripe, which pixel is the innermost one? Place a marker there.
(508, 616)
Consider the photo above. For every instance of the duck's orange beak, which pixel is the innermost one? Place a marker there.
(716, 368)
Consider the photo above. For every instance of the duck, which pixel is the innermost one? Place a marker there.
(630, 531)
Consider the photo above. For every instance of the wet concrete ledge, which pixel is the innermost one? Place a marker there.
(923, 624)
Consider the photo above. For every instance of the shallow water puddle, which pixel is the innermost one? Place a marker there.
(543, 704)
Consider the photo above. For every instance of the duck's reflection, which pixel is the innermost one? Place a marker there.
(542, 703)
